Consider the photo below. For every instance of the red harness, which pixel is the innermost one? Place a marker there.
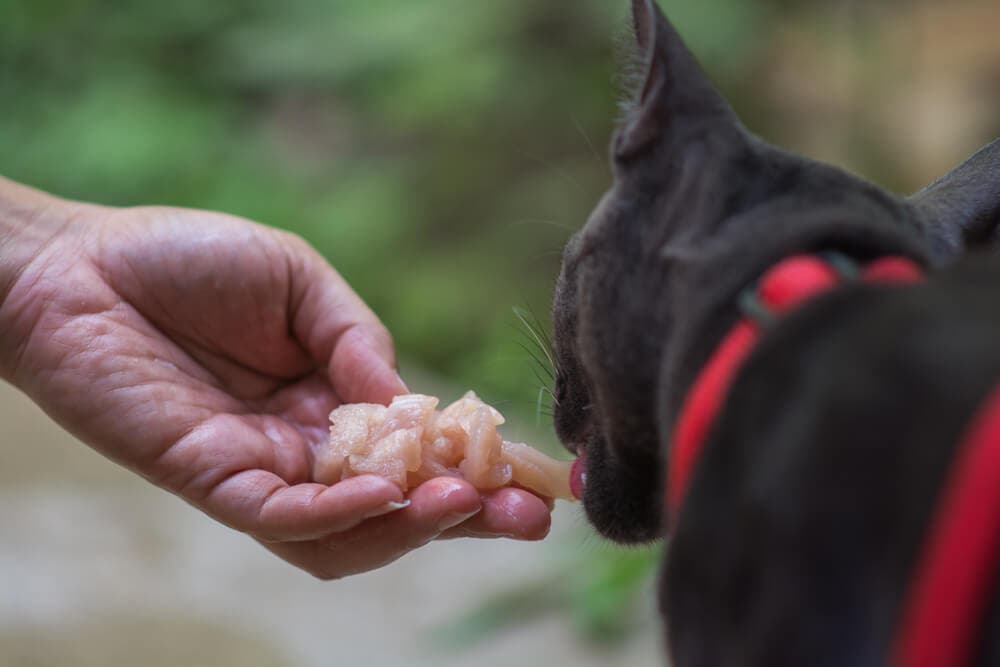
(955, 572)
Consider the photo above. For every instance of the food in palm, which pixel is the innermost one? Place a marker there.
(410, 441)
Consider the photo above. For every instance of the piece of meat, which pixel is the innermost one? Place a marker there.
(409, 442)
(350, 426)
(483, 465)
(536, 471)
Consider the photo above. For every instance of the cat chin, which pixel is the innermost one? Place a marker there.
(623, 506)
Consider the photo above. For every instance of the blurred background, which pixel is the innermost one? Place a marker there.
(439, 153)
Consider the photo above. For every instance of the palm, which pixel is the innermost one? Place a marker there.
(211, 314)
(215, 350)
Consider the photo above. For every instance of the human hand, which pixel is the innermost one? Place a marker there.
(205, 353)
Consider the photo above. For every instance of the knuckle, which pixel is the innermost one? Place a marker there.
(382, 332)
(294, 241)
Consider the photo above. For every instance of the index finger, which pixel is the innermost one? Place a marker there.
(339, 330)
(360, 367)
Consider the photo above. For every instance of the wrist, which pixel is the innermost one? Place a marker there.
(29, 220)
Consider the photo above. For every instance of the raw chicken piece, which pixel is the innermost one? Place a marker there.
(483, 465)
(536, 471)
(410, 442)
(350, 426)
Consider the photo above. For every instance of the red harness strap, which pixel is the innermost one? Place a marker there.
(786, 285)
(957, 569)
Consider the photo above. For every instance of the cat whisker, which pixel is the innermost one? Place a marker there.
(538, 407)
(546, 350)
(530, 345)
(538, 361)
(548, 391)
(542, 330)
(562, 172)
(538, 325)
(590, 144)
(542, 383)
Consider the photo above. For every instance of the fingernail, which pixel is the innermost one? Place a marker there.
(387, 508)
(452, 520)
(397, 506)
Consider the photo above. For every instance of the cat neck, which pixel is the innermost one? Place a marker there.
(707, 298)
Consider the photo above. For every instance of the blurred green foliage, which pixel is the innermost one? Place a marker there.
(600, 589)
(438, 153)
(433, 151)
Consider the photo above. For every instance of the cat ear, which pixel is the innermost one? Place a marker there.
(963, 206)
(675, 91)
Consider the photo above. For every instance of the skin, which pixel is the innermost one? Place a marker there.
(205, 352)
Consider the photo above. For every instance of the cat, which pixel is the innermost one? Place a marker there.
(806, 511)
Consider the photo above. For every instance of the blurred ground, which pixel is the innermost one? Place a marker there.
(99, 569)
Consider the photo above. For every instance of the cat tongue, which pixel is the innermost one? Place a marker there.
(578, 477)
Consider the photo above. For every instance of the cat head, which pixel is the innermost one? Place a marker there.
(699, 207)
